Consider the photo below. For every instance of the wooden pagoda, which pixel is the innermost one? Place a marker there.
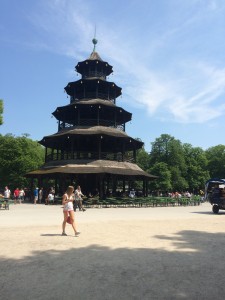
(91, 147)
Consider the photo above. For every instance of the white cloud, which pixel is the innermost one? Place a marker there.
(186, 99)
(186, 92)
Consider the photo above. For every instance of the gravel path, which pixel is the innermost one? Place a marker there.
(122, 253)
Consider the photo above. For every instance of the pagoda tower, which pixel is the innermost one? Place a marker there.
(91, 147)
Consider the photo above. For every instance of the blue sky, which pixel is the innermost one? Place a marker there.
(167, 55)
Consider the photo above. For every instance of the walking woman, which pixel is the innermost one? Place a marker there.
(78, 198)
(67, 202)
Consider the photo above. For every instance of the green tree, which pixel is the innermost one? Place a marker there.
(163, 183)
(178, 181)
(216, 161)
(143, 159)
(1, 111)
(18, 155)
(196, 162)
(168, 150)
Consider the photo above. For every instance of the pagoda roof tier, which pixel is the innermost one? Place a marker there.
(94, 62)
(95, 101)
(94, 167)
(88, 108)
(90, 88)
(64, 138)
(95, 56)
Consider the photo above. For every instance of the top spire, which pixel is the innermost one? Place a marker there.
(94, 55)
(94, 41)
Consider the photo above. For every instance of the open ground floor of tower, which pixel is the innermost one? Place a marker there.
(103, 185)
(122, 253)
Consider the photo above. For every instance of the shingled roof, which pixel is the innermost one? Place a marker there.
(95, 130)
(95, 56)
(94, 167)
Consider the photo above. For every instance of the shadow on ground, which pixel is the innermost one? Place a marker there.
(193, 269)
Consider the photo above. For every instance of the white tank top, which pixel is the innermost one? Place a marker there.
(68, 205)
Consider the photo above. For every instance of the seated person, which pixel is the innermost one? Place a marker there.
(132, 194)
(96, 193)
(90, 195)
(50, 198)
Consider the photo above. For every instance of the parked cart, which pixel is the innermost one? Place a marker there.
(215, 193)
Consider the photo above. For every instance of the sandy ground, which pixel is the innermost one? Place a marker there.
(122, 253)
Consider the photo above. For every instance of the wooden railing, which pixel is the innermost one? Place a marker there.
(95, 202)
(142, 202)
(91, 122)
(93, 95)
(88, 155)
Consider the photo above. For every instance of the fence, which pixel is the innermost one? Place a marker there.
(142, 202)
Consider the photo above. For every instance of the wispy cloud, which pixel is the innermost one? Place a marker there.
(190, 91)
(195, 99)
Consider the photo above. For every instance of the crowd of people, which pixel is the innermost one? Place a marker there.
(18, 195)
(71, 199)
(40, 196)
(47, 196)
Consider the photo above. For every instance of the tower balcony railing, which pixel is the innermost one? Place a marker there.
(89, 156)
(94, 74)
(91, 122)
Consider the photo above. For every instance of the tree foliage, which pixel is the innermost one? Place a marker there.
(143, 159)
(197, 163)
(18, 155)
(180, 166)
(166, 149)
(163, 183)
(216, 161)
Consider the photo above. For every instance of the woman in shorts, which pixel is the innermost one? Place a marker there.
(67, 202)
(21, 195)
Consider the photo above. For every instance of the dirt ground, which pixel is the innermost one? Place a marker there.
(122, 253)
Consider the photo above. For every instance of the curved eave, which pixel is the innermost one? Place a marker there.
(95, 167)
(77, 87)
(85, 102)
(81, 67)
(94, 130)
(62, 138)
(66, 113)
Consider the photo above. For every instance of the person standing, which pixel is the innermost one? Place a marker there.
(21, 195)
(78, 198)
(35, 195)
(16, 195)
(67, 202)
(40, 195)
(7, 193)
